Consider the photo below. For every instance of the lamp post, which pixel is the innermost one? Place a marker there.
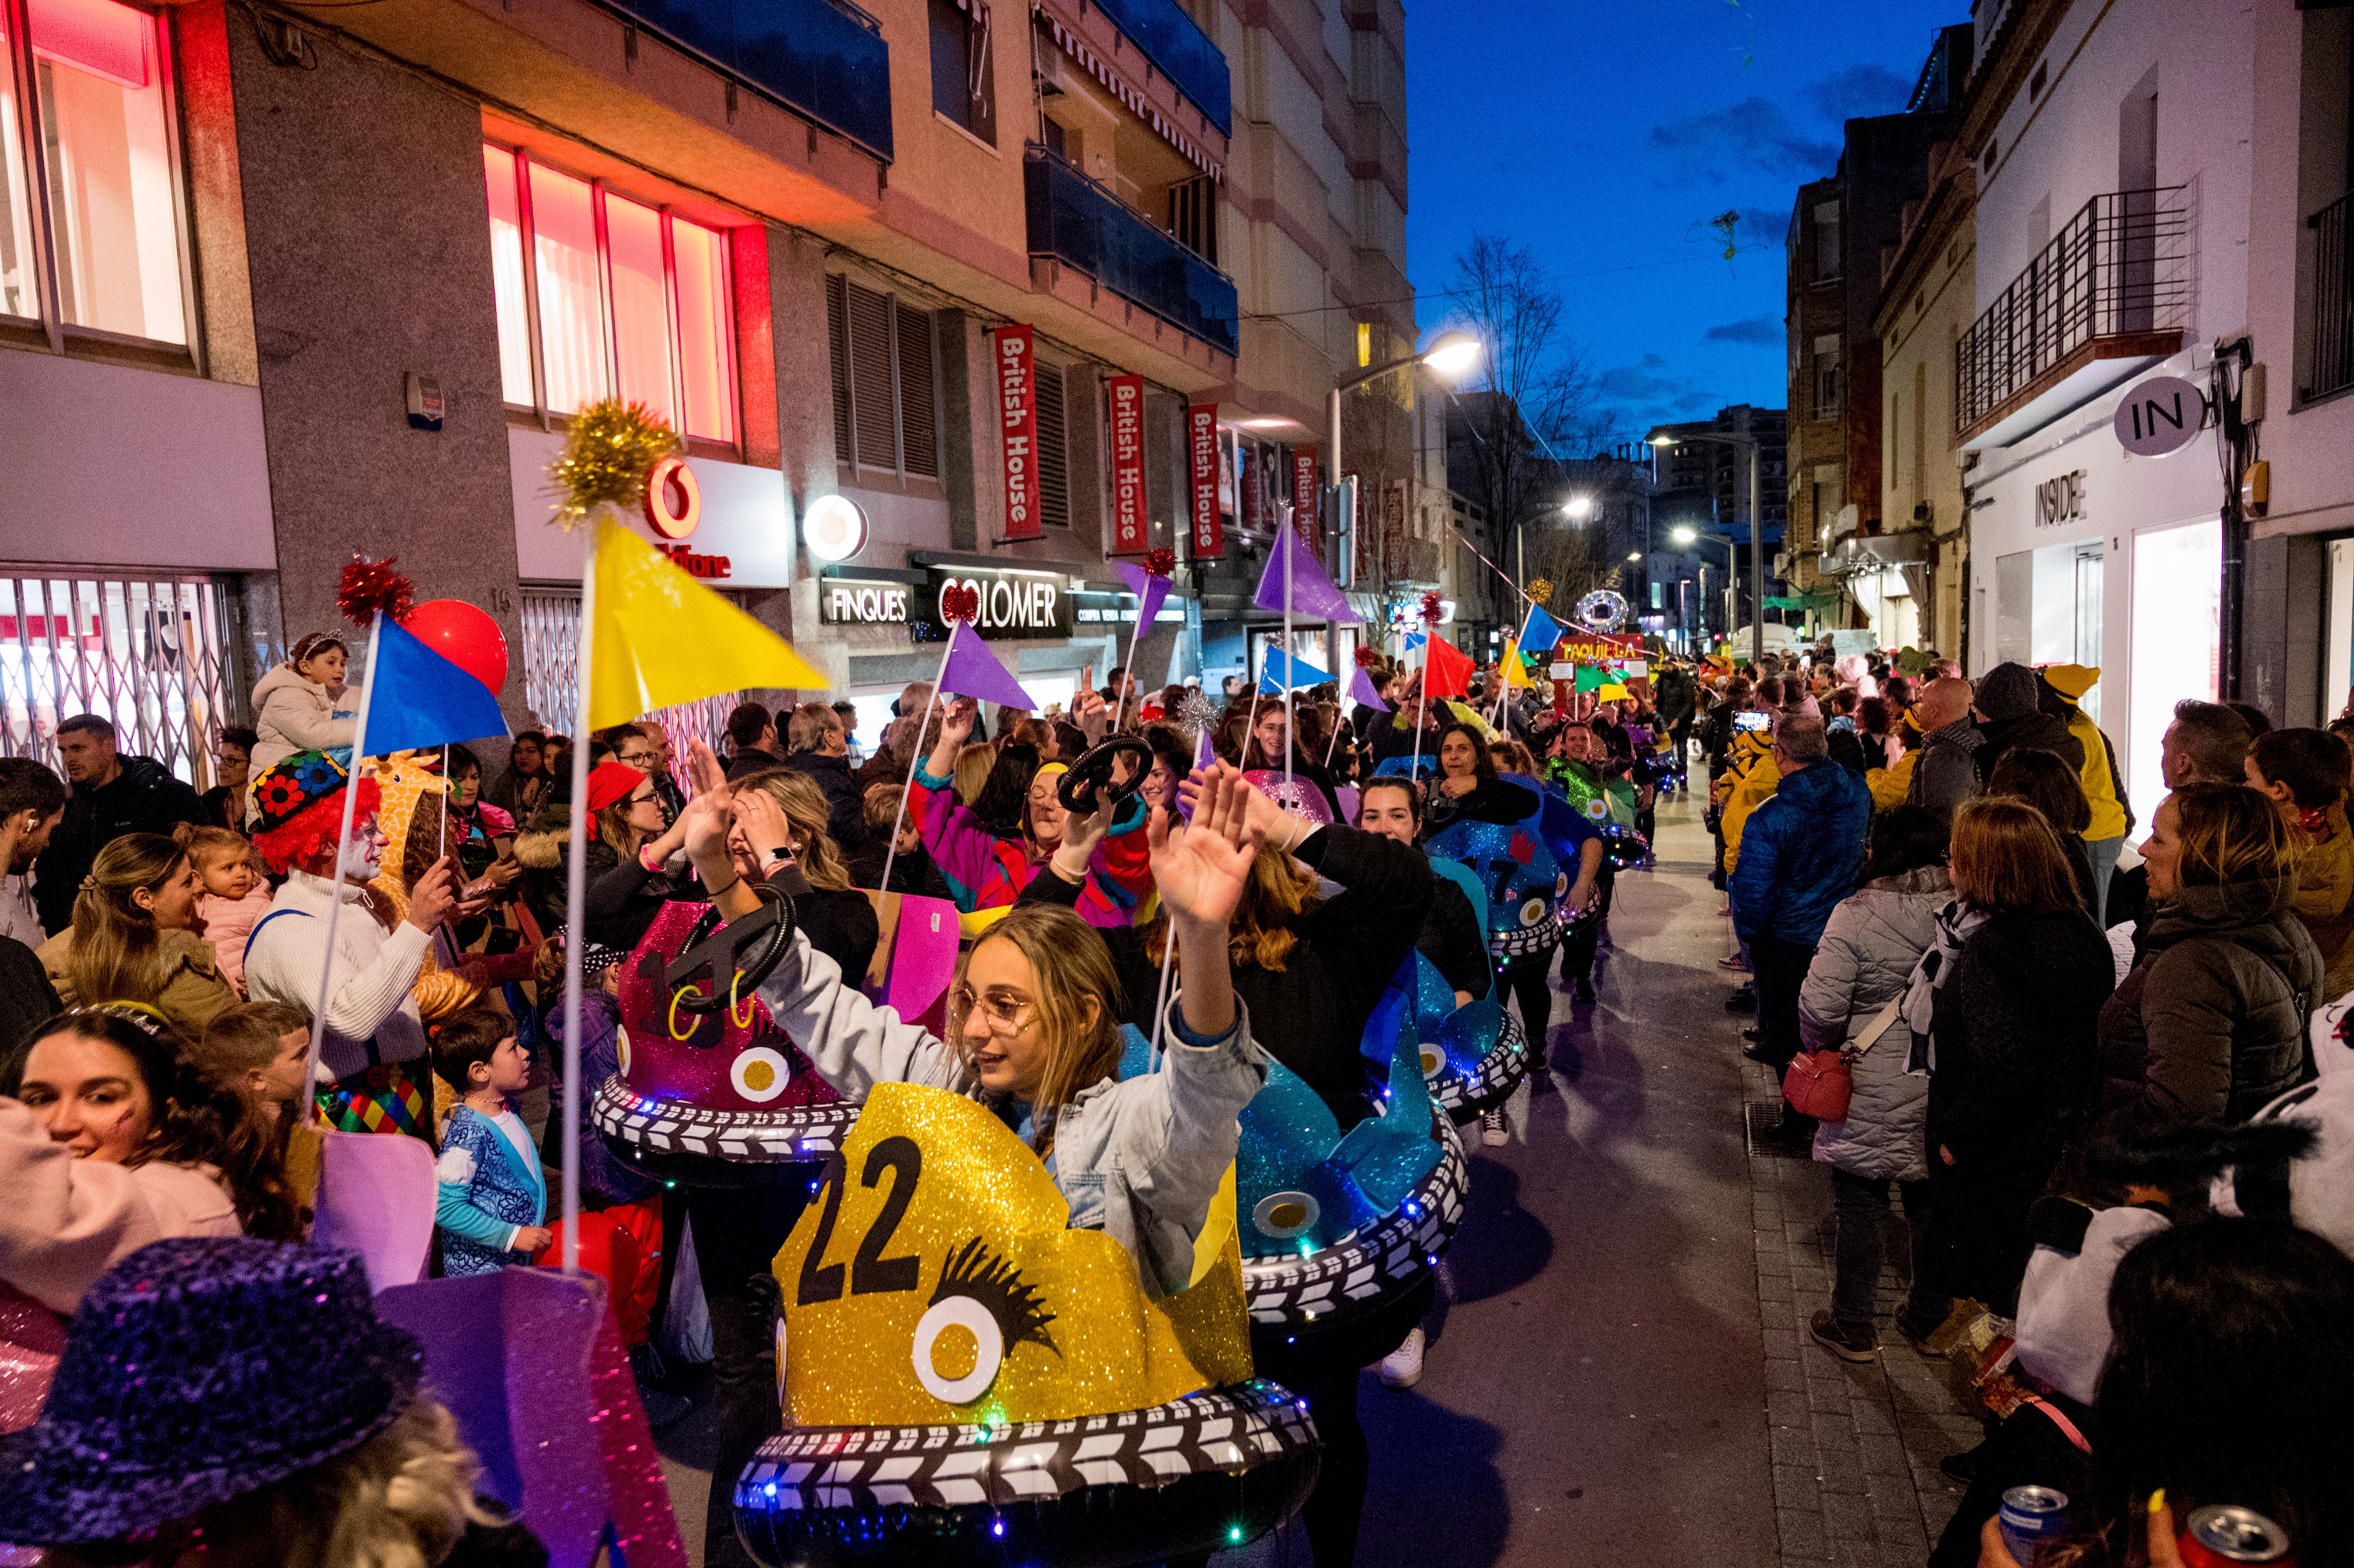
(1450, 357)
(1683, 535)
(1756, 533)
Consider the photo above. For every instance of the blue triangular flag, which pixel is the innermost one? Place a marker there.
(419, 699)
(1282, 671)
(1539, 635)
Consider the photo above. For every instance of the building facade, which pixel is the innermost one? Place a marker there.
(281, 286)
(1709, 482)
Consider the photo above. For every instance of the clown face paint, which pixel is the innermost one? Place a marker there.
(364, 856)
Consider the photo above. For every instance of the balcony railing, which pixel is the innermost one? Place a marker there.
(2117, 270)
(826, 58)
(1184, 54)
(1082, 225)
(2331, 362)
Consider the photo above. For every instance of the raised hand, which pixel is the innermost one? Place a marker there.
(762, 822)
(435, 894)
(705, 822)
(1201, 872)
(957, 722)
(1091, 713)
(704, 771)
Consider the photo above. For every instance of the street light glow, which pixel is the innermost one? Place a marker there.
(1664, 441)
(1453, 355)
(1578, 508)
(1636, 555)
(1683, 536)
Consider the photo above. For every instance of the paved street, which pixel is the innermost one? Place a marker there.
(1622, 1354)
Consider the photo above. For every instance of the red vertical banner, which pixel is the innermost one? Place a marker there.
(1304, 510)
(1017, 421)
(1253, 478)
(1131, 535)
(1202, 447)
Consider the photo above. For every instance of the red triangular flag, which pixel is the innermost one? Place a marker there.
(1450, 670)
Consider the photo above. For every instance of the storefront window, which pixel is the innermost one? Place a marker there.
(2175, 642)
(630, 299)
(150, 654)
(113, 228)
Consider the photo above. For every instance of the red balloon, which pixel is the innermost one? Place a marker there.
(464, 635)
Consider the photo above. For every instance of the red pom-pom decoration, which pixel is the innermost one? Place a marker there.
(1432, 610)
(960, 603)
(368, 587)
(1159, 563)
(1368, 657)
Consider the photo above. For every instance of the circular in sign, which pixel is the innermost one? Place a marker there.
(835, 528)
(673, 499)
(2161, 415)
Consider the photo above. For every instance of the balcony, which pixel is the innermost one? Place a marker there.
(2329, 351)
(1180, 50)
(822, 59)
(1081, 224)
(2107, 297)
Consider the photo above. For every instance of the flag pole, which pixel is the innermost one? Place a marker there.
(1422, 698)
(1290, 660)
(575, 892)
(1128, 671)
(915, 753)
(335, 873)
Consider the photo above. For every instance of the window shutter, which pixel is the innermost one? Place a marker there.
(919, 405)
(1054, 449)
(870, 400)
(837, 342)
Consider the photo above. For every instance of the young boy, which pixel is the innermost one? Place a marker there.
(493, 1194)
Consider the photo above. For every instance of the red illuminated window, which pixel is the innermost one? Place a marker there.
(601, 294)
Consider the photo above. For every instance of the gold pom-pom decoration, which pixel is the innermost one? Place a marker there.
(1541, 591)
(606, 457)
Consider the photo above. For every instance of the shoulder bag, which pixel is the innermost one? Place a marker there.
(1819, 1083)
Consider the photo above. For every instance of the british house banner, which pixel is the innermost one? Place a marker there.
(1017, 419)
(1129, 533)
(1202, 446)
(1304, 510)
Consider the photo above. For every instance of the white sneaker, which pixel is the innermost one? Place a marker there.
(1491, 1132)
(1402, 1368)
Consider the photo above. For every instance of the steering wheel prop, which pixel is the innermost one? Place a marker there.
(1090, 778)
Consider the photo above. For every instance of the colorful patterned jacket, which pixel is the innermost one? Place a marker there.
(986, 870)
(488, 1192)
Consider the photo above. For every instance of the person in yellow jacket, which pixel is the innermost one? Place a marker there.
(1750, 777)
(1891, 787)
(2105, 786)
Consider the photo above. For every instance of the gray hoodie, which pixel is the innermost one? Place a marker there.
(1139, 1159)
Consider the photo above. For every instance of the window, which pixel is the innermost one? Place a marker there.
(602, 295)
(961, 67)
(1053, 448)
(1826, 240)
(886, 380)
(1827, 376)
(112, 224)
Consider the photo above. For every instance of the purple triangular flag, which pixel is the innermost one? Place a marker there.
(1150, 591)
(1313, 596)
(972, 670)
(1361, 689)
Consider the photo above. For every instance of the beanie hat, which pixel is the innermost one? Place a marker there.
(2072, 681)
(195, 1370)
(2006, 691)
(610, 783)
(299, 808)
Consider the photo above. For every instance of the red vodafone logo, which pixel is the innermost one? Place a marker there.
(673, 500)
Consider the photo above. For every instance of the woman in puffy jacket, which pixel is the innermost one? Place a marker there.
(2209, 1024)
(1863, 964)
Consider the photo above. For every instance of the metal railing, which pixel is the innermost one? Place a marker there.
(551, 642)
(1078, 221)
(1184, 54)
(825, 58)
(148, 653)
(2118, 267)
(2330, 364)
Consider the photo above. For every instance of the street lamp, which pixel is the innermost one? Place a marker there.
(1449, 357)
(1578, 508)
(1684, 535)
(1756, 531)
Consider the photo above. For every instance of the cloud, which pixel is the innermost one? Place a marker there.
(1650, 392)
(1762, 226)
(1857, 92)
(1758, 331)
(1752, 136)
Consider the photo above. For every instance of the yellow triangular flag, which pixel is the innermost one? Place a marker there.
(1516, 672)
(662, 638)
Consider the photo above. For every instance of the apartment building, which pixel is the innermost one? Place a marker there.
(1707, 479)
(280, 284)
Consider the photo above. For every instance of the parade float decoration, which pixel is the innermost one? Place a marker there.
(967, 1379)
(1334, 1224)
(1472, 1056)
(1521, 869)
(1603, 609)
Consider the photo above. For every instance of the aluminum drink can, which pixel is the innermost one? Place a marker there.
(2033, 1521)
(2225, 1535)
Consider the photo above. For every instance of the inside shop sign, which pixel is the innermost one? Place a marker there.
(850, 603)
(2060, 499)
(1012, 605)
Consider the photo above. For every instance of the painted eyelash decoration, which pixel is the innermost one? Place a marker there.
(984, 1295)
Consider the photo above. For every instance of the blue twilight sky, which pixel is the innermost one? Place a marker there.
(1607, 135)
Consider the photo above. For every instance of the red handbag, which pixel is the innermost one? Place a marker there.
(1820, 1083)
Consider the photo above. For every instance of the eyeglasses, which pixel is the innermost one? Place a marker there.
(640, 760)
(648, 798)
(1004, 1010)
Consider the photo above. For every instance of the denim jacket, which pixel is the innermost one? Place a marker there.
(1137, 1158)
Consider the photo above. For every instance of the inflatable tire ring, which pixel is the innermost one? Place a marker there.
(1501, 1072)
(1527, 940)
(696, 1147)
(1372, 1265)
(1207, 1471)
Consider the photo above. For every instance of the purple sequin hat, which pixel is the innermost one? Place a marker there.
(197, 1370)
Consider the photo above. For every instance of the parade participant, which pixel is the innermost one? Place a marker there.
(989, 851)
(373, 1041)
(303, 704)
(110, 1138)
(267, 1415)
(839, 918)
(493, 1195)
(1592, 886)
(232, 893)
(134, 936)
(1270, 740)
(1451, 936)
(1172, 759)
(628, 860)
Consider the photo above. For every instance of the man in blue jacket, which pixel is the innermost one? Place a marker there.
(1800, 852)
